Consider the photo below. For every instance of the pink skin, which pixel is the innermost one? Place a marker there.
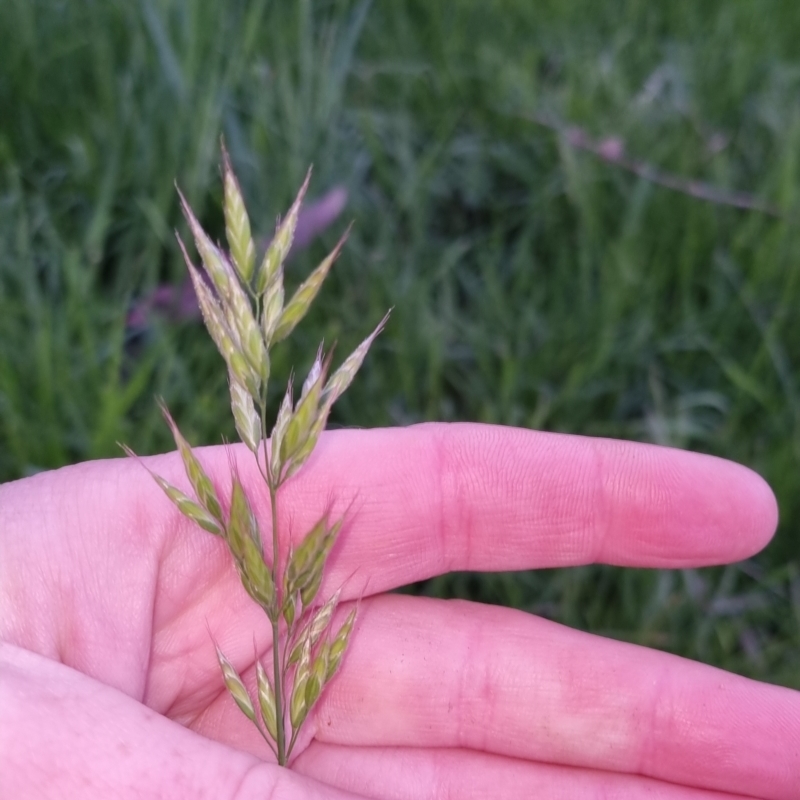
(109, 600)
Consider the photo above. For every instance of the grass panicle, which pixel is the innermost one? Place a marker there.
(232, 297)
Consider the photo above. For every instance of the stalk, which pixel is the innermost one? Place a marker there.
(271, 480)
(276, 639)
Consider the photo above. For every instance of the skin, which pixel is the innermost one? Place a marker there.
(110, 599)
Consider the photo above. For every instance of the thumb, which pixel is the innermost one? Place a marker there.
(64, 734)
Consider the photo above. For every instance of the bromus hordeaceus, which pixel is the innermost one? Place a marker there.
(245, 311)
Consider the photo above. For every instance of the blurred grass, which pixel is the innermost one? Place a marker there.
(533, 283)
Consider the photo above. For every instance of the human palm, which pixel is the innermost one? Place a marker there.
(110, 601)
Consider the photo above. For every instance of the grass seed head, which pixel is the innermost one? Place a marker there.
(245, 416)
(322, 618)
(281, 242)
(291, 608)
(217, 326)
(227, 301)
(240, 317)
(301, 300)
(185, 504)
(201, 483)
(278, 432)
(236, 687)
(343, 376)
(242, 524)
(297, 650)
(302, 420)
(312, 586)
(258, 578)
(317, 678)
(301, 564)
(339, 644)
(237, 223)
(266, 701)
(297, 708)
(216, 265)
(316, 370)
(272, 308)
(305, 450)
(189, 508)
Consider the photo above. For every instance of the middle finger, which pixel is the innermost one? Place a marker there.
(428, 673)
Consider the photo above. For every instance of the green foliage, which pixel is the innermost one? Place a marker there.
(533, 283)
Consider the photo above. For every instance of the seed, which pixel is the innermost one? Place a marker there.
(317, 677)
(201, 483)
(234, 684)
(266, 701)
(297, 307)
(281, 243)
(339, 645)
(248, 425)
(237, 223)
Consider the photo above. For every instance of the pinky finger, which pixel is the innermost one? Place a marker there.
(64, 734)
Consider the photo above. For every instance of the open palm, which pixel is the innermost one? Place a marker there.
(110, 601)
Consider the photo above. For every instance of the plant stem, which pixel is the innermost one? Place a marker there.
(276, 639)
(277, 674)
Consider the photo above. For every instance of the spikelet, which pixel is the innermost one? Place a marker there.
(237, 223)
(236, 687)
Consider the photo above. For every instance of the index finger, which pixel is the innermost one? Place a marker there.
(436, 498)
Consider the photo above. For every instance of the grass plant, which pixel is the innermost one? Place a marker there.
(534, 283)
(244, 309)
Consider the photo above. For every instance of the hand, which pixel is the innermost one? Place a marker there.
(109, 600)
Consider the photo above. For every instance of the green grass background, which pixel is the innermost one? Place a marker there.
(533, 284)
